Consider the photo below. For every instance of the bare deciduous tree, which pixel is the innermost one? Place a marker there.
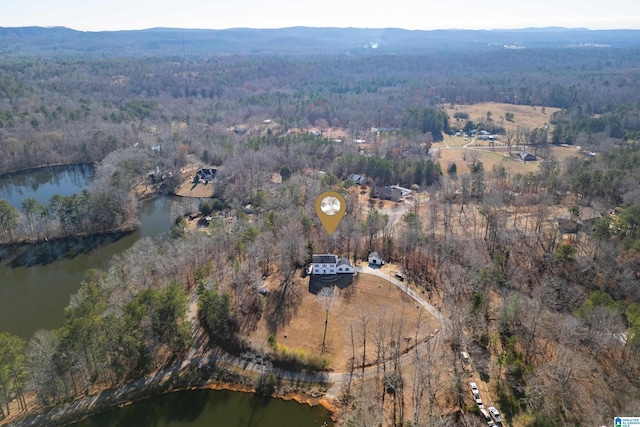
(326, 297)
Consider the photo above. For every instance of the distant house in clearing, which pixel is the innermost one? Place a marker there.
(567, 225)
(487, 137)
(375, 259)
(382, 130)
(241, 130)
(588, 216)
(358, 179)
(330, 264)
(395, 192)
(526, 157)
(206, 174)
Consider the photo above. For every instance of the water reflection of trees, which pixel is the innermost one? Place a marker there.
(65, 213)
(42, 183)
(42, 253)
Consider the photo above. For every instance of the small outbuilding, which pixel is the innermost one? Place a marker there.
(375, 259)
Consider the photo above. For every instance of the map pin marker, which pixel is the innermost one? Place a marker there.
(330, 207)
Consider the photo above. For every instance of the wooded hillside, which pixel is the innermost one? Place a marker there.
(537, 272)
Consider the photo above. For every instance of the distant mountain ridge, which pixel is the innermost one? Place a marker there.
(296, 40)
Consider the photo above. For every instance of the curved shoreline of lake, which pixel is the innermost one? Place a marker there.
(122, 231)
(184, 376)
(37, 283)
(211, 406)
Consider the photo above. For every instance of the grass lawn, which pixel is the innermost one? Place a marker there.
(463, 158)
(523, 115)
(301, 326)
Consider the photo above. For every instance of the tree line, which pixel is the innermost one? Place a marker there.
(46, 118)
(480, 235)
(537, 306)
(62, 216)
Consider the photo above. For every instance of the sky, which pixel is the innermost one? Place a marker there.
(101, 15)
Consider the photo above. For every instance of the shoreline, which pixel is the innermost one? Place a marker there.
(60, 239)
(176, 378)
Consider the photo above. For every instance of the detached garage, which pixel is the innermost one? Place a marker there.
(375, 259)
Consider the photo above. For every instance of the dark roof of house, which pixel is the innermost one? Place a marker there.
(567, 226)
(207, 172)
(324, 259)
(588, 214)
(396, 190)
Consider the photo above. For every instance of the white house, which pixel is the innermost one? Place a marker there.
(324, 264)
(330, 264)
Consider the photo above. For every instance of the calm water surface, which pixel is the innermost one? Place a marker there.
(211, 408)
(43, 183)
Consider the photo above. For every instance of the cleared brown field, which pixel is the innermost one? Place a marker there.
(563, 153)
(524, 115)
(463, 158)
(371, 296)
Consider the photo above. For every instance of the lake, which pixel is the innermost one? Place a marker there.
(211, 408)
(35, 285)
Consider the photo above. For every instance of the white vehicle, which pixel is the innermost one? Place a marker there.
(486, 416)
(465, 356)
(478, 401)
(474, 389)
(495, 414)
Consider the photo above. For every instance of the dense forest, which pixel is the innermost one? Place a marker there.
(552, 318)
